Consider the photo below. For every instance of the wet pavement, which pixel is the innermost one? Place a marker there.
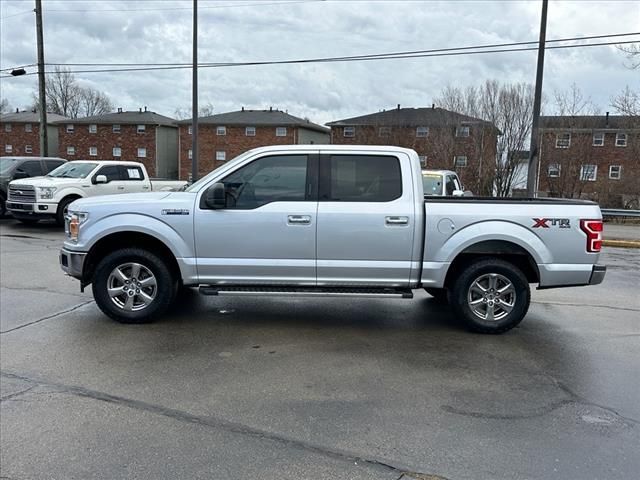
(310, 388)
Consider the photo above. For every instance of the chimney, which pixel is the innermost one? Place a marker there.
(145, 108)
(119, 109)
(140, 109)
(433, 106)
(17, 110)
(243, 108)
(398, 106)
(271, 109)
(607, 124)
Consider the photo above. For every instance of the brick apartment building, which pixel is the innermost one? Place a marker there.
(20, 134)
(442, 138)
(596, 157)
(224, 136)
(141, 136)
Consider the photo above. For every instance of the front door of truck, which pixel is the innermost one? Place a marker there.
(365, 220)
(114, 182)
(266, 234)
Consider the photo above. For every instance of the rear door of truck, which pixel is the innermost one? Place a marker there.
(366, 213)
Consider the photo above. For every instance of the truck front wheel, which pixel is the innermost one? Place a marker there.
(133, 286)
(490, 296)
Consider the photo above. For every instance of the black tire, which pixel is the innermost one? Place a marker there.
(28, 221)
(508, 310)
(62, 210)
(162, 298)
(3, 206)
(439, 294)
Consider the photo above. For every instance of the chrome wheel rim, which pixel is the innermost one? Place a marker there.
(491, 297)
(132, 287)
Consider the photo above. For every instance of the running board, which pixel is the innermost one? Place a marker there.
(307, 291)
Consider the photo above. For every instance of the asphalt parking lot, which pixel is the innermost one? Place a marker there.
(305, 388)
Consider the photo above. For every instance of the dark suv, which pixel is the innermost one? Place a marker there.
(14, 168)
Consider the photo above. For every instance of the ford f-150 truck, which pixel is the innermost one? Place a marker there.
(441, 183)
(329, 220)
(49, 196)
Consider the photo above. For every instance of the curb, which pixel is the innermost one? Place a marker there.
(621, 243)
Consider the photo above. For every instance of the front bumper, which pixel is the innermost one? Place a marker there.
(44, 209)
(72, 263)
(597, 274)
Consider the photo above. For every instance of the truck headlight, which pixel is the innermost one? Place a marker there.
(46, 193)
(75, 219)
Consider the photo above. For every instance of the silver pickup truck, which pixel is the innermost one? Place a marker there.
(329, 221)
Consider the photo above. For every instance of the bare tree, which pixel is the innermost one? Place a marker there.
(627, 102)
(94, 102)
(572, 102)
(632, 52)
(203, 111)
(4, 105)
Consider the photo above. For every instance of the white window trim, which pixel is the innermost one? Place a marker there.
(248, 129)
(70, 128)
(558, 140)
(555, 166)
(594, 144)
(113, 151)
(93, 130)
(620, 136)
(7, 127)
(8, 148)
(426, 132)
(384, 131)
(28, 149)
(190, 154)
(141, 128)
(190, 130)
(116, 128)
(71, 150)
(142, 150)
(93, 149)
(28, 128)
(423, 160)
(595, 173)
(619, 172)
(280, 129)
(455, 160)
(352, 131)
(221, 130)
(221, 153)
(463, 128)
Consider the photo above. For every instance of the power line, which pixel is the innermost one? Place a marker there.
(399, 55)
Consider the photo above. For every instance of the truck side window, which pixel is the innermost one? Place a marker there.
(131, 173)
(281, 178)
(32, 168)
(450, 186)
(112, 172)
(52, 164)
(363, 178)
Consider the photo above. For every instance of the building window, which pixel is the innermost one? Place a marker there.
(553, 170)
(8, 148)
(70, 128)
(463, 131)
(423, 160)
(422, 131)
(93, 151)
(71, 150)
(190, 130)
(621, 139)
(142, 152)
(141, 128)
(349, 131)
(28, 127)
(221, 130)
(250, 131)
(115, 128)
(598, 139)
(588, 173)
(563, 140)
(615, 172)
(384, 131)
(93, 128)
(281, 131)
(7, 127)
(221, 156)
(28, 149)
(190, 154)
(117, 152)
(460, 161)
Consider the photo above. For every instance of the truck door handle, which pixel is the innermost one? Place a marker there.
(144, 187)
(120, 187)
(396, 220)
(299, 219)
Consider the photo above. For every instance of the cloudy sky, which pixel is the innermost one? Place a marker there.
(151, 31)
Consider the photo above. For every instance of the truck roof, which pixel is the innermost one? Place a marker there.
(107, 162)
(316, 146)
(428, 171)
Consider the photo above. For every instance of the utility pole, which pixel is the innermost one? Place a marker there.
(532, 174)
(194, 100)
(44, 137)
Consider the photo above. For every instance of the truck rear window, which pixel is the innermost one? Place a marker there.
(363, 178)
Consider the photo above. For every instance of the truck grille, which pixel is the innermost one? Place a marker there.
(22, 193)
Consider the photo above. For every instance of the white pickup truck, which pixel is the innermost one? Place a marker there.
(442, 183)
(329, 220)
(33, 199)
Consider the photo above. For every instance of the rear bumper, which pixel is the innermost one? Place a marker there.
(597, 274)
(72, 263)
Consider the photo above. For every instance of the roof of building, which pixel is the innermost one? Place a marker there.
(29, 117)
(139, 117)
(412, 117)
(602, 122)
(258, 118)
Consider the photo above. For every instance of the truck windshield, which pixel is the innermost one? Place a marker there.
(73, 170)
(432, 184)
(6, 164)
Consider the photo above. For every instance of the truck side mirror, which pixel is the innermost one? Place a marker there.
(458, 193)
(101, 179)
(20, 174)
(215, 198)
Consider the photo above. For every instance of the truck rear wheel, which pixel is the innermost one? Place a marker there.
(491, 296)
(133, 285)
